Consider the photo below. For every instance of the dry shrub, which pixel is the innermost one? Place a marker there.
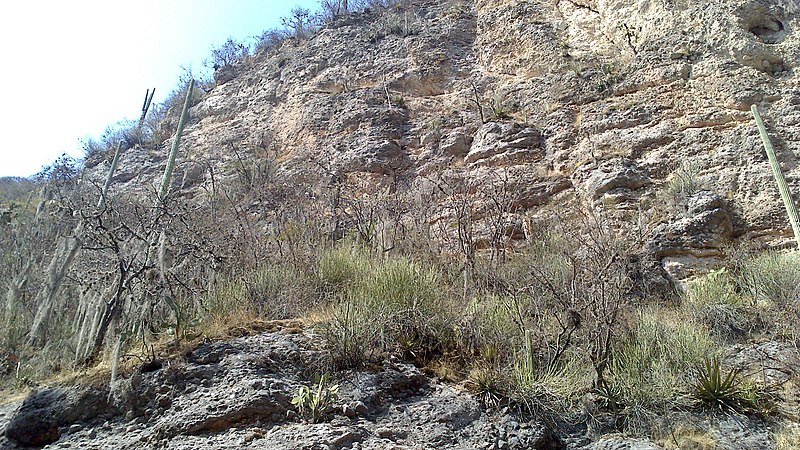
(713, 301)
(771, 280)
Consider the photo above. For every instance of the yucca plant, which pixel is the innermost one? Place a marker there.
(488, 385)
(716, 391)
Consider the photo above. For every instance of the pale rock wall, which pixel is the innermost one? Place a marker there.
(603, 99)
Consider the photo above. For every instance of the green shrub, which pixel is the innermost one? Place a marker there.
(353, 333)
(772, 277)
(713, 301)
(683, 184)
(550, 389)
(490, 330)
(651, 366)
(394, 306)
(714, 288)
(272, 292)
(340, 267)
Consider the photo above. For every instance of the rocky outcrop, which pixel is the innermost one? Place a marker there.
(505, 144)
(43, 417)
(613, 96)
(238, 393)
(687, 243)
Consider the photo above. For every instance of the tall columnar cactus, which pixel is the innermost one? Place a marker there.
(102, 202)
(148, 99)
(791, 210)
(165, 181)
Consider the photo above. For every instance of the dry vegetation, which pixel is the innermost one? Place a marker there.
(544, 327)
(560, 326)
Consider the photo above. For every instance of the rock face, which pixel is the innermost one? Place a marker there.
(504, 144)
(683, 243)
(41, 417)
(237, 394)
(605, 100)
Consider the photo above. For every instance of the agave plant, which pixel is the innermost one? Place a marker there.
(488, 385)
(717, 391)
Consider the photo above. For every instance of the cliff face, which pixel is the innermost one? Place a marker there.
(614, 103)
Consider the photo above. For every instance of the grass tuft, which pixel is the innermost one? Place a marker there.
(652, 365)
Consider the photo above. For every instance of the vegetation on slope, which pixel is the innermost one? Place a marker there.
(566, 326)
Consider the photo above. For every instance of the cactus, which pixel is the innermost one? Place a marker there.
(791, 210)
(165, 181)
(148, 99)
(102, 202)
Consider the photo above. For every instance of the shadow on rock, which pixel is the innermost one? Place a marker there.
(41, 416)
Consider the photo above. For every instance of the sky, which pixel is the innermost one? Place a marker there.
(72, 68)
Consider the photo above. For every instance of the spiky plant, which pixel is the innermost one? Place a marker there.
(716, 391)
(488, 385)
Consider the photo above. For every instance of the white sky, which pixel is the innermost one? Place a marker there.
(71, 68)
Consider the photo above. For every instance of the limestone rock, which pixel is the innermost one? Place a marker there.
(615, 179)
(624, 443)
(505, 143)
(682, 242)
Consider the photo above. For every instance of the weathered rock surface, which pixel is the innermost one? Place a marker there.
(237, 394)
(700, 234)
(613, 96)
(39, 420)
(497, 143)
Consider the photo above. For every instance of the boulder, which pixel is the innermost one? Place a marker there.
(41, 416)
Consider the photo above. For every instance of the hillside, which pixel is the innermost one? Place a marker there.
(538, 224)
(607, 102)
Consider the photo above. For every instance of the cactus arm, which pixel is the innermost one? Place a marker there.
(791, 210)
(148, 99)
(102, 203)
(165, 181)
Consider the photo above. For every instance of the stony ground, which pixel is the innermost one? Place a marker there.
(237, 394)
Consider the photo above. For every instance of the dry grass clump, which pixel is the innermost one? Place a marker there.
(654, 363)
(758, 294)
(771, 277)
(787, 436)
(388, 304)
(490, 331)
(689, 438)
(714, 301)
